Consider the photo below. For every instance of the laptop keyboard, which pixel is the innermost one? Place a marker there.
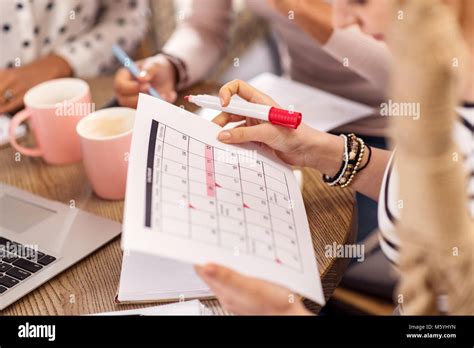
(19, 262)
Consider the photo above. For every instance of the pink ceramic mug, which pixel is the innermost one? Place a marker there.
(54, 108)
(106, 137)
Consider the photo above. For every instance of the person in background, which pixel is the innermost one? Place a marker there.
(429, 237)
(435, 274)
(318, 55)
(46, 39)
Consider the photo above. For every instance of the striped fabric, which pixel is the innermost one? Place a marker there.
(388, 209)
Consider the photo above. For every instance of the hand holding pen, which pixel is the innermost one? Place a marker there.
(269, 113)
(297, 147)
(155, 72)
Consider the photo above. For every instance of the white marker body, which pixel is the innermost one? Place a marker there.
(236, 107)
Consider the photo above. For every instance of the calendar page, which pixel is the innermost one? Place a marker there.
(192, 198)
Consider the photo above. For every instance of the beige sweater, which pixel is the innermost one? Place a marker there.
(201, 39)
(435, 229)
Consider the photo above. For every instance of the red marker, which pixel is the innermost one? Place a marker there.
(280, 117)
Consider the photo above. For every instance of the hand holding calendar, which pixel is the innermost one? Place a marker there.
(195, 199)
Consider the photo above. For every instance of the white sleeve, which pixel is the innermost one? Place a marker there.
(201, 38)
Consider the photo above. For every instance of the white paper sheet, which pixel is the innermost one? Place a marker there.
(321, 110)
(181, 308)
(5, 127)
(150, 278)
(191, 198)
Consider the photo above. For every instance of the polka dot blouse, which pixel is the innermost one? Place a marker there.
(80, 31)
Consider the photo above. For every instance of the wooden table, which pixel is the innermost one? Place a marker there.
(90, 285)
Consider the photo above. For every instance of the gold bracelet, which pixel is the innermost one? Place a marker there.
(354, 150)
(357, 165)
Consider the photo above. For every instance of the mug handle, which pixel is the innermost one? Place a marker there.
(19, 118)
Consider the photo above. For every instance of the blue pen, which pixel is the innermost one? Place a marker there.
(128, 63)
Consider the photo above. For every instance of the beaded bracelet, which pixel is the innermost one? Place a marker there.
(352, 175)
(345, 161)
(353, 158)
(369, 157)
(351, 154)
(354, 150)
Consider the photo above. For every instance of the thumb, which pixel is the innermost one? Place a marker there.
(263, 133)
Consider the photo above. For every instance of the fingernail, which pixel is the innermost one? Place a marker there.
(222, 101)
(210, 270)
(142, 73)
(225, 135)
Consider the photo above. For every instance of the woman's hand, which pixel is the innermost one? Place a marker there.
(14, 83)
(250, 296)
(156, 71)
(293, 146)
(290, 145)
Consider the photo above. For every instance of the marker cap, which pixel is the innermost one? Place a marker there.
(285, 118)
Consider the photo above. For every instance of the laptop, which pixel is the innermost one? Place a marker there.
(40, 238)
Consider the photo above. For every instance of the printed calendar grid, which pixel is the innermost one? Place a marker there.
(161, 208)
(205, 157)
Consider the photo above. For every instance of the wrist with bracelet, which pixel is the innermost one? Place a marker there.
(180, 71)
(354, 153)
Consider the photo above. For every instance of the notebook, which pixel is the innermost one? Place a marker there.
(194, 199)
(147, 278)
(181, 308)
